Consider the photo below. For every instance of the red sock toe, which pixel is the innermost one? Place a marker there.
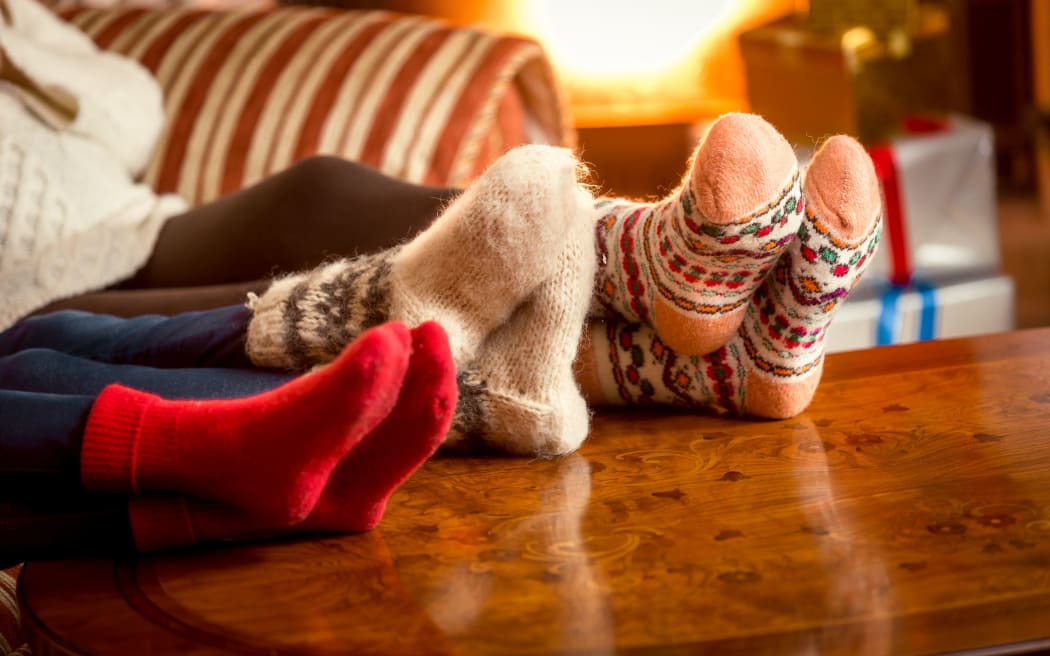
(269, 455)
(358, 490)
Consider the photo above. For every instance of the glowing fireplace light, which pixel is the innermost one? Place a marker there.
(624, 38)
(629, 62)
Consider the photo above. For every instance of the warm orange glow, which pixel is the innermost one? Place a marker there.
(626, 37)
(631, 62)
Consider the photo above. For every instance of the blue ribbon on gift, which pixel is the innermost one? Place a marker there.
(889, 315)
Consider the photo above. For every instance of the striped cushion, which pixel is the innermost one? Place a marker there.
(249, 93)
(9, 628)
(64, 5)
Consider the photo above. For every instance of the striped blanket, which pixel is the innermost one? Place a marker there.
(9, 640)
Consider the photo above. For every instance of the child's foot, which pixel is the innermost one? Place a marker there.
(268, 455)
(688, 264)
(357, 491)
(468, 271)
(772, 366)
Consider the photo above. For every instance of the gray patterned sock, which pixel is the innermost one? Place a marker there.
(468, 271)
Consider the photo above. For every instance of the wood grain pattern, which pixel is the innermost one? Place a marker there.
(906, 512)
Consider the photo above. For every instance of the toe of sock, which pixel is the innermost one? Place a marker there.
(841, 187)
(545, 175)
(549, 177)
(538, 430)
(770, 399)
(741, 165)
(371, 369)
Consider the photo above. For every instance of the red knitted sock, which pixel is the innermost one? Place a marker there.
(357, 490)
(269, 455)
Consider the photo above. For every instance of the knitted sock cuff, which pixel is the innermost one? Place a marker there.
(266, 337)
(111, 440)
(308, 319)
(160, 522)
(157, 464)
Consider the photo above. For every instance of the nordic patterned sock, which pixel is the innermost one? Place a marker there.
(772, 366)
(520, 395)
(357, 491)
(468, 271)
(268, 455)
(688, 264)
(627, 363)
(783, 336)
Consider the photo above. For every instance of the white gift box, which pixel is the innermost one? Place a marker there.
(878, 313)
(948, 218)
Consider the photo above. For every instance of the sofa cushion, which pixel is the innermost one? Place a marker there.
(249, 93)
(10, 638)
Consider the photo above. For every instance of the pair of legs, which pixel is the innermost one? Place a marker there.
(509, 270)
(91, 397)
(97, 453)
(214, 254)
(716, 297)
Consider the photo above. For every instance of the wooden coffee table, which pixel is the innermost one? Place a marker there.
(906, 512)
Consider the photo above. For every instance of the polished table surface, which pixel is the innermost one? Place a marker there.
(906, 512)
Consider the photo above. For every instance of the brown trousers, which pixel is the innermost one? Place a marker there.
(213, 255)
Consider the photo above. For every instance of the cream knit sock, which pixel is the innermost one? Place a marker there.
(468, 271)
(520, 396)
(688, 264)
(772, 366)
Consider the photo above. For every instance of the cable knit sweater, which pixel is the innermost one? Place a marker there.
(77, 127)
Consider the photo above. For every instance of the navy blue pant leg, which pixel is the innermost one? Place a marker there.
(211, 338)
(45, 398)
(44, 511)
(54, 369)
(67, 356)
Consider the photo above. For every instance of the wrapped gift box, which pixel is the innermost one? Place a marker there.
(879, 313)
(943, 183)
(885, 18)
(940, 209)
(810, 83)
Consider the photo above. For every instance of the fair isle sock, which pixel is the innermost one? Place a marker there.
(269, 455)
(520, 396)
(772, 366)
(786, 326)
(360, 486)
(468, 271)
(627, 363)
(687, 265)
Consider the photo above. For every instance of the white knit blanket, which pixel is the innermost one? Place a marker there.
(77, 128)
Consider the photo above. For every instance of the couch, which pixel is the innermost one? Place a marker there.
(250, 92)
